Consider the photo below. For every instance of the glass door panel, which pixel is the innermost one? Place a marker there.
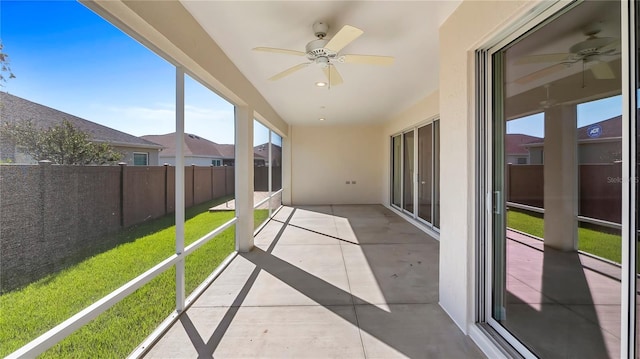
(408, 172)
(436, 174)
(425, 172)
(556, 284)
(396, 179)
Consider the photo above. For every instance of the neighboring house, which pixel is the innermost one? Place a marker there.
(201, 152)
(197, 150)
(136, 150)
(515, 149)
(261, 152)
(600, 142)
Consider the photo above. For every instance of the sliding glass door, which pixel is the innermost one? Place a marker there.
(436, 174)
(558, 171)
(396, 171)
(414, 173)
(425, 172)
(409, 171)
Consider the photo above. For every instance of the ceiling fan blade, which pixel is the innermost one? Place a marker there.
(333, 75)
(541, 73)
(536, 59)
(343, 38)
(289, 71)
(281, 51)
(602, 71)
(369, 59)
(613, 46)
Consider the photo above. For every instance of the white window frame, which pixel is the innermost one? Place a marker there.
(146, 156)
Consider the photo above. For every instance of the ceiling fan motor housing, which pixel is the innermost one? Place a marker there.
(590, 46)
(315, 49)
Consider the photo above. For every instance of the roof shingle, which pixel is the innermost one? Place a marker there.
(14, 109)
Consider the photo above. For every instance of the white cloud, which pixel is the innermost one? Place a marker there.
(213, 124)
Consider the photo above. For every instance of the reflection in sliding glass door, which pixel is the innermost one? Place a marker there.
(436, 174)
(396, 168)
(408, 172)
(425, 172)
(556, 139)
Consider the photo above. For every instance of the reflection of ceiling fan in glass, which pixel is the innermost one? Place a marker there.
(593, 52)
(548, 102)
(325, 53)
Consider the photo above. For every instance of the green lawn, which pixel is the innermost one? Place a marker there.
(38, 307)
(599, 243)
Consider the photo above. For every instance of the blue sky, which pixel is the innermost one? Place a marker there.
(588, 113)
(66, 57)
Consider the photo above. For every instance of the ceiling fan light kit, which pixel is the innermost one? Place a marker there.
(326, 53)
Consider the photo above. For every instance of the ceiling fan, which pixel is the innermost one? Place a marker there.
(326, 53)
(594, 51)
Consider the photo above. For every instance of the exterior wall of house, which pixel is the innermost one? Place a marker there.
(423, 110)
(600, 152)
(189, 160)
(518, 159)
(588, 152)
(325, 158)
(128, 154)
(469, 27)
(536, 155)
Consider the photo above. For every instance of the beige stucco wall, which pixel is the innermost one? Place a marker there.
(421, 111)
(468, 28)
(323, 158)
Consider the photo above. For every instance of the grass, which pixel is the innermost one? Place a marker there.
(28, 312)
(259, 216)
(597, 242)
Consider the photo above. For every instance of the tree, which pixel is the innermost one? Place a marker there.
(61, 144)
(5, 69)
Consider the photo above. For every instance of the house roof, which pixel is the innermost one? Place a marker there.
(201, 147)
(194, 146)
(263, 151)
(610, 129)
(15, 109)
(514, 143)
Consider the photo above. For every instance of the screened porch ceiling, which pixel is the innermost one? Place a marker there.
(407, 31)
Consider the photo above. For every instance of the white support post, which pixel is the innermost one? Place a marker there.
(286, 168)
(560, 178)
(244, 178)
(180, 215)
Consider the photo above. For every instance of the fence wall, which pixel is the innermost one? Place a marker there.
(53, 216)
(599, 189)
(261, 178)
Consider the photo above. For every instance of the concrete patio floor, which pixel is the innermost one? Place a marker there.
(324, 282)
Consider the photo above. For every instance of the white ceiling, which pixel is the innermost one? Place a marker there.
(407, 30)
